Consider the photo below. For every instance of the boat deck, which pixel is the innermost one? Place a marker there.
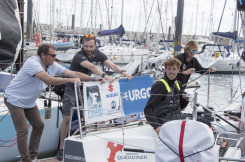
(51, 159)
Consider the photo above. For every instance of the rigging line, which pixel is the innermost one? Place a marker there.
(107, 11)
(100, 13)
(148, 17)
(111, 127)
(195, 79)
(234, 92)
(106, 128)
(212, 102)
(121, 142)
(235, 108)
(222, 15)
(88, 21)
(239, 119)
(240, 79)
(160, 19)
(118, 116)
(222, 126)
(218, 126)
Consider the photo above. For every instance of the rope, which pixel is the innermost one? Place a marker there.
(14, 139)
(4, 116)
(195, 79)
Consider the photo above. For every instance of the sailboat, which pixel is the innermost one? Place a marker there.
(183, 140)
(114, 128)
(216, 55)
(225, 60)
(10, 43)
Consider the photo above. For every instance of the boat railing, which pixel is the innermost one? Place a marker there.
(80, 110)
(79, 106)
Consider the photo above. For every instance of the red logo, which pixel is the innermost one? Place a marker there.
(110, 88)
(114, 150)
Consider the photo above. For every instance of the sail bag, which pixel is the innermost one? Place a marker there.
(185, 141)
(10, 33)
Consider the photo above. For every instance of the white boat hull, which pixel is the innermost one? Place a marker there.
(50, 137)
(109, 145)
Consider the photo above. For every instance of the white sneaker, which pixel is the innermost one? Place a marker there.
(35, 160)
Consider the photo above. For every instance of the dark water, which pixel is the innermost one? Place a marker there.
(220, 90)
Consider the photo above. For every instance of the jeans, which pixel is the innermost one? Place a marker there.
(19, 116)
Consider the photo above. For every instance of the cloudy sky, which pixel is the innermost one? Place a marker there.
(201, 17)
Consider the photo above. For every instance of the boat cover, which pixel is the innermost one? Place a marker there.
(118, 31)
(185, 141)
(10, 33)
(230, 35)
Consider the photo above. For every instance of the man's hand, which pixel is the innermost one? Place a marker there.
(212, 69)
(73, 80)
(107, 77)
(158, 130)
(101, 80)
(189, 71)
(185, 97)
(124, 74)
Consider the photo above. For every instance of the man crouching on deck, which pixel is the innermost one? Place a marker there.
(167, 98)
(21, 95)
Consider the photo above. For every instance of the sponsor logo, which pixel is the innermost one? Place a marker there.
(132, 156)
(113, 104)
(111, 95)
(95, 113)
(73, 157)
(137, 94)
(114, 150)
(110, 87)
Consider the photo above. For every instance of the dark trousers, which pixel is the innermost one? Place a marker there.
(19, 116)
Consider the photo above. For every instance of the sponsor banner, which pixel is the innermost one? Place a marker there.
(101, 101)
(135, 93)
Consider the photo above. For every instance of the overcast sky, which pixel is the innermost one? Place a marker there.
(197, 14)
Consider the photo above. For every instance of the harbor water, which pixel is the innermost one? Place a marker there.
(223, 90)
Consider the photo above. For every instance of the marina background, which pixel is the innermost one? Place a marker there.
(201, 17)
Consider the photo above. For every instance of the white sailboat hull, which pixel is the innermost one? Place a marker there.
(108, 145)
(50, 137)
(224, 65)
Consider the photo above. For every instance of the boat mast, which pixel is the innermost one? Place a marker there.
(52, 11)
(29, 21)
(91, 28)
(95, 16)
(122, 12)
(146, 29)
(196, 20)
(122, 19)
(81, 15)
(179, 23)
(243, 98)
(73, 18)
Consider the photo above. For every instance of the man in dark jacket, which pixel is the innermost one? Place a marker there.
(189, 64)
(167, 98)
(84, 61)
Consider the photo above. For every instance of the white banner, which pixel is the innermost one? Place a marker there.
(101, 101)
